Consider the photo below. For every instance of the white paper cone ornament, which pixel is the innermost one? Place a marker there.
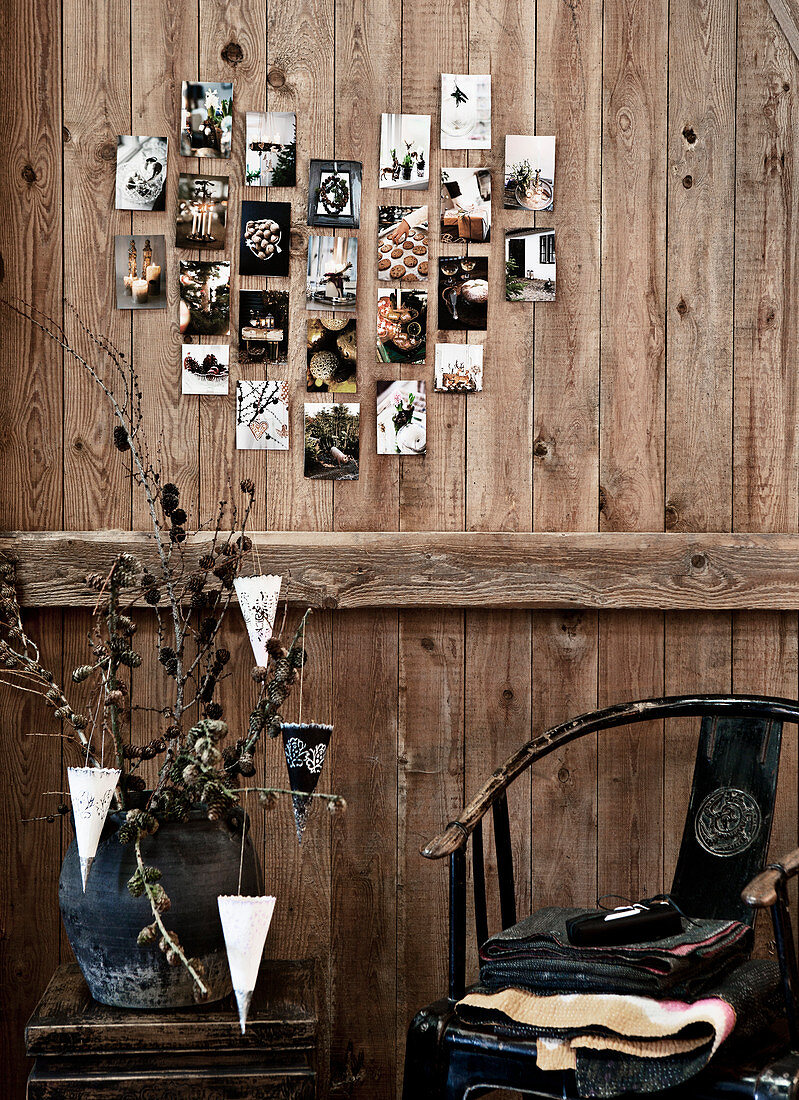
(245, 923)
(258, 598)
(91, 791)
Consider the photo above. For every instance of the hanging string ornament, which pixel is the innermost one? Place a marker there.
(245, 923)
(305, 747)
(258, 597)
(91, 791)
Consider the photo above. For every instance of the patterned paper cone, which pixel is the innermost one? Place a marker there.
(245, 923)
(258, 598)
(91, 791)
(305, 747)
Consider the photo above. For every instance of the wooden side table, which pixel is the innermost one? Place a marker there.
(87, 1051)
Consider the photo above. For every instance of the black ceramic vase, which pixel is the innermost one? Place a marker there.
(199, 860)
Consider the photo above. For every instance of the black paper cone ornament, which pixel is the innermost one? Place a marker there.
(305, 747)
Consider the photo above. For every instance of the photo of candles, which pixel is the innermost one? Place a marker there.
(202, 211)
(204, 298)
(206, 119)
(140, 272)
(263, 326)
(271, 149)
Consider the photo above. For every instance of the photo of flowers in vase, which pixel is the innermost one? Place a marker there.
(270, 149)
(264, 326)
(334, 193)
(463, 293)
(202, 211)
(459, 368)
(401, 326)
(401, 418)
(465, 111)
(141, 173)
(529, 172)
(402, 243)
(207, 119)
(332, 274)
(331, 355)
(265, 231)
(332, 441)
(262, 415)
(530, 265)
(405, 152)
(205, 368)
(465, 206)
(204, 298)
(140, 272)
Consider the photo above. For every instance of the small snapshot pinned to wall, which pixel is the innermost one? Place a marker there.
(262, 415)
(332, 355)
(140, 272)
(459, 368)
(401, 418)
(402, 243)
(334, 193)
(405, 151)
(264, 326)
(401, 326)
(141, 173)
(202, 211)
(271, 149)
(204, 298)
(332, 441)
(462, 293)
(332, 274)
(265, 231)
(530, 265)
(206, 119)
(465, 206)
(206, 368)
(465, 111)
(529, 172)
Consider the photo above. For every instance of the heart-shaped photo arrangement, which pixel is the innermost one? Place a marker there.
(263, 238)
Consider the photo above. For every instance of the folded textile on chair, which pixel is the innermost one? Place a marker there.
(619, 1043)
(535, 954)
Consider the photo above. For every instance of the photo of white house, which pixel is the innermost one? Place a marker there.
(530, 265)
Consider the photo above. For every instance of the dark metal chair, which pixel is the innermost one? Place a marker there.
(718, 875)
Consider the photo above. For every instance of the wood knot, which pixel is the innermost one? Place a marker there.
(688, 182)
(671, 517)
(428, 644)
(233, 54)
(65, 135)
(107, 151)
(507, 695)
(297, 240)
(540, 448)
(698, 561)
(28, 174)
(786, 87)
(603, 498)
(682, 307)
(689, 135)
(276, 78)
(78, 444)
(564, 775)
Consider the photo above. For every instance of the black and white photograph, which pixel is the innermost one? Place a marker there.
(271, 149)
(465, 206)
(265, 238)
(332, 281)
(206, 119)
(262, 415)
(405, 152)
(465, 111)
(334, 193)
(141, 173)
(332, 441)
(459, 368)
(202, 211)
(530, 265)
(462, 293)
(263, 330)
(205, 368)
(140, 271)
(331, 355)
(401, 418)
(529, 172)
(204, 298)
(402, 243)
(401, 325)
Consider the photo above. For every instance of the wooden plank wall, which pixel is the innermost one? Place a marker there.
(659, 392)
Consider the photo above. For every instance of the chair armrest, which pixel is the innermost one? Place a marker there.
(761, 892)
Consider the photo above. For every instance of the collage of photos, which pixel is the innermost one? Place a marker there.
(465, 205)
(263, 333)
(270, 149)
(207, 129)
(265, 234)
(206, 368)
(141, 173)
(465, 111)
(334, 193)
(332, 441)
(459, 368)
(202, 211)
(204, 298)
(140, 272)
(401, 418)
(402, 243)
(401, 326)
(529, 173)
(530, 265)
(332, 281)
(462, 293)
(405, 152)
(262, 415)
(331, 355)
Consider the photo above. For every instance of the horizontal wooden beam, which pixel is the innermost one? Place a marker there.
(675, 571)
